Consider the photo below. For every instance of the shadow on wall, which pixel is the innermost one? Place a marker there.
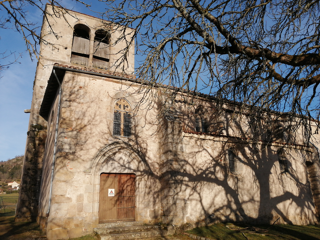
(203, 174)
(263, 181)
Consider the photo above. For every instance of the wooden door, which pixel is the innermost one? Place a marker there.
(117, 197)
(108, 204)
(126, 198)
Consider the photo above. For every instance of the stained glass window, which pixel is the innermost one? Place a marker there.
(122, 118)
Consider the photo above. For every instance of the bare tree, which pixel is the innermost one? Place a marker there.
(261, 53)
(14, 16)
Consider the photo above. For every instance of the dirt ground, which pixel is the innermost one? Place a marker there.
(22, 230)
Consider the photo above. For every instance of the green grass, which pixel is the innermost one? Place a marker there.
(9, 229)
(237, 231)
(8, 204)
(10, 198)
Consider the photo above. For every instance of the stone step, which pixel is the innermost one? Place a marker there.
(124, 229)
(119, 224)
(132, 230)
(131, 235)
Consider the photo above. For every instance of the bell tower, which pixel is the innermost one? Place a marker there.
(77, 41)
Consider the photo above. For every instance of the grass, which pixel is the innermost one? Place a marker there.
(9, 229)
(10, 198)
(8, 204)
(231, 231)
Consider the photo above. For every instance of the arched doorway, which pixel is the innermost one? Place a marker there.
(116, 166)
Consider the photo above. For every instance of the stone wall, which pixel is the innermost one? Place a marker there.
(56, 48)
(86, 148)
(314, 178)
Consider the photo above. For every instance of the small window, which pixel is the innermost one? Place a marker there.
(278, 132)
(283, 161)
(81, 45)
(201, 125)
(232, 161)
(122, 118)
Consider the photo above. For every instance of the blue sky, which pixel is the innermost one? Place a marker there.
(17, 81)
(16, 86)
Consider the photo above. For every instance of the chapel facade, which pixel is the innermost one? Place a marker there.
(101, 148)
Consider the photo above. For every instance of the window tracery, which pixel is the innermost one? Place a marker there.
(122, 118)
(201, 124)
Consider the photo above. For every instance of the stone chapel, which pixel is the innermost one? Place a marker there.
(103, 147)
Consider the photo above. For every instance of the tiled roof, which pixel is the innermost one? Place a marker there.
(96, 71)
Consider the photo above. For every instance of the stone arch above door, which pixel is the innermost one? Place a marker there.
(114, 158)
(106, 154)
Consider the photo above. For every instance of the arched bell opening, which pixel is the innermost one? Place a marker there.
(80, 45)
(101, 49)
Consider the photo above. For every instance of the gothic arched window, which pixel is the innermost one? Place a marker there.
(122, 118)
(201, 124)
(81, 45)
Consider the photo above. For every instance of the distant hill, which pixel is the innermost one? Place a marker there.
(11, 169)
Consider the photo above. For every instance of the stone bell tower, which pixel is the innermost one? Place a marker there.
(78, 41)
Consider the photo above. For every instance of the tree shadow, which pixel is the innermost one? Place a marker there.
(183, 173)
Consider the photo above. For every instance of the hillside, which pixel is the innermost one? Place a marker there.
(11, 169)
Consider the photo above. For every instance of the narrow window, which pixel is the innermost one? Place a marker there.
(81, 45)
(198, 124)
(232, 161)
(201, 125)
(126, 124)
(117, 123)
(283, 161)
(204, 126)
(101, 49)
(122, 118)
(278, 132)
